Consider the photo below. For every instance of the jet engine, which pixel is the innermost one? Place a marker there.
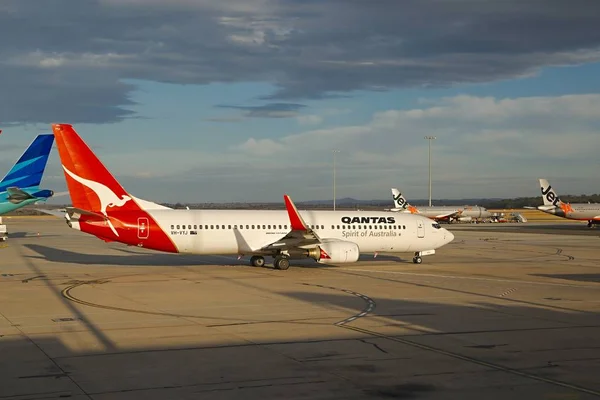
(465, 219)
(335, 252)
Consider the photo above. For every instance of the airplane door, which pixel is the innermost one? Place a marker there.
(143, 228)
(420, 229)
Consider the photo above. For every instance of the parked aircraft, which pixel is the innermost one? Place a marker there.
(20, 186)
(102, 207)
(579, 211)
(440, 213)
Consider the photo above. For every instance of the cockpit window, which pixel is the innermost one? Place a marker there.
(436, 225)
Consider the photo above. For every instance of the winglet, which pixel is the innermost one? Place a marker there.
(296, 221)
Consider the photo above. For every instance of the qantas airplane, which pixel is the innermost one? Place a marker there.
(439, 213)
(103, 208)
(578, 211)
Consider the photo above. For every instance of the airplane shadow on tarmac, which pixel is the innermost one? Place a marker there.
(21, 235)
(528, 350)
(148, 258)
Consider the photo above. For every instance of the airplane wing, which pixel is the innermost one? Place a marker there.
(301, 236)
(16, 195)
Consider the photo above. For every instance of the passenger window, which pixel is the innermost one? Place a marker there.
(252, 226)
(285, 226)
(212, 227)
(247, 226)
(177, 226)
(403, 226)
(172, 226)
(374, 226)
(279, 226)
(332, 226)
(189, 227)
(228, 226)
(195, 226)
(217, 226)
(264, 227)
(322, 226)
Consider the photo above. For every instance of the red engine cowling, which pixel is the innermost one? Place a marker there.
(335, 252)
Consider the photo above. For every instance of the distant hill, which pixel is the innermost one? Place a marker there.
(350, 203)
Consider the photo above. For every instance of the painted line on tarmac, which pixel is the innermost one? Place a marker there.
(369, 307)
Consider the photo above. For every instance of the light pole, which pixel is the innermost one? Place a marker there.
(334, 151)
(430, 138)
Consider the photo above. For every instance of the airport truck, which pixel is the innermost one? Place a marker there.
(3, 231)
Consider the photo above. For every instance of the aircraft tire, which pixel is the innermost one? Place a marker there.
(417, 260)
(257, 261)
(281, 263)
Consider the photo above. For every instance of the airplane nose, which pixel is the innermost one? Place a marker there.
(448, 236)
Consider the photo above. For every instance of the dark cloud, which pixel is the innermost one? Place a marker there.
(67, 60)
(271, 110)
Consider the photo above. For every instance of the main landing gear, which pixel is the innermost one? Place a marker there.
(281, 261)
(417, 260)
(257, 261)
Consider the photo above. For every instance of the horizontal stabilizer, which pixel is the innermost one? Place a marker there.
(16, 195)
(73, 210)
(546, 207)
(57, 213)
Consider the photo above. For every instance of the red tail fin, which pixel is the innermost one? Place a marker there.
(96, 195)
(90, 184)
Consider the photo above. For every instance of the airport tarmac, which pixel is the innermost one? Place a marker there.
(496, 314)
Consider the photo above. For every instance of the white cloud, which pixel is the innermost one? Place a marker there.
(485, 147)
(479, 139)
(261, 147)
(54, 60)
(309, 119)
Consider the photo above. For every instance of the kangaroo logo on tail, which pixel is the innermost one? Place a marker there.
(107, 197)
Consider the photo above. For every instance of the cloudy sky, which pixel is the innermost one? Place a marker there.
(244, 100)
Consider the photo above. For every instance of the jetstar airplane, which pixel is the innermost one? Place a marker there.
(554, 205)
(20, 186)
(439, 213)
(103, 208)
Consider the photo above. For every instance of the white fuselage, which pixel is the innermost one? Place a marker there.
(248, 231)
